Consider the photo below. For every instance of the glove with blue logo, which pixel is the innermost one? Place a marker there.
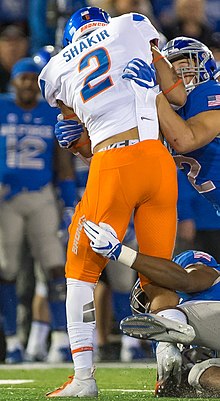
(103, 239)
(68, 131)
(140, 72)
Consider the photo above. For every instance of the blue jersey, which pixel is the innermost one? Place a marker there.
(202, 166)
(187, 258)
(26, 146)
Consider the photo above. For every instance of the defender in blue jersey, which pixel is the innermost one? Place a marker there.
(195, 276)
(193, 132)
(29, 207)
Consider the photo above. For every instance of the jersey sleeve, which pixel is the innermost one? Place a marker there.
(145, 27)
(206, 97)
(146, 30)
(49, 84)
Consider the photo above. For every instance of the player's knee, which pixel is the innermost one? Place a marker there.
(7, 277)
(198, 369)
(57, 290)
(80, 301)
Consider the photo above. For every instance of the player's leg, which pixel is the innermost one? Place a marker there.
(11, 239)
(155, 223)
(37, 345)
(156, 220)
(84, 266)
(47, 248)
(204, 317)
(206, 376)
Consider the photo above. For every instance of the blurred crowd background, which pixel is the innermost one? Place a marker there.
(28, 25)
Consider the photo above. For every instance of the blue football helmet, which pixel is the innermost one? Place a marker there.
(44, 55)
(201, 61)
(84, 21)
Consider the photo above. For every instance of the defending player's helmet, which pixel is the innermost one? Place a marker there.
(201, 61)
(44, 55)
(139, 301)
(84, 21)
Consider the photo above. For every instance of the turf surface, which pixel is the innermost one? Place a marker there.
(115, 384)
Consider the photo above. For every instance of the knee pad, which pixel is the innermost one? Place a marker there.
(80, 310)
(198, 369)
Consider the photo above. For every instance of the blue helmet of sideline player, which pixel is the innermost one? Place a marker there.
(84, 21)
(201, 63)
(44, 55)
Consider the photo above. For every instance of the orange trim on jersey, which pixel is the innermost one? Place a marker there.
(69, 117)
(158, 58)
(173, 86)
(79, 145)
(81, 349)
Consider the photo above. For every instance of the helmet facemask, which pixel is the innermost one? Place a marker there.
(139, 301)
(196, 68)
(201, 64)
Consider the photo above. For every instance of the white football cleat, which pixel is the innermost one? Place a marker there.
(76, 388)
(152, 327)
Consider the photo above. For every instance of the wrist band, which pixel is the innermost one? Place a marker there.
(127, 256)
(173, 86)
(158, 58)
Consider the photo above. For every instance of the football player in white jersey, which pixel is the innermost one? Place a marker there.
(130, 169)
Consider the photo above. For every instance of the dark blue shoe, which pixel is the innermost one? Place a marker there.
(15, 356)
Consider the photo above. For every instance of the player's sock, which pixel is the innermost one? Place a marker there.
(8, 306)
(60, 348)
(121, 305)
(37, 342)
(173, 314)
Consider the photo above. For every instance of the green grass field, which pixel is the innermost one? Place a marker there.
(115, 384)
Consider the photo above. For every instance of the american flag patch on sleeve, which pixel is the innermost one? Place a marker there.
(213, 100)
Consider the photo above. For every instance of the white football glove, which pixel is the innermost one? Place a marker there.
(104, 239)
(169, 361)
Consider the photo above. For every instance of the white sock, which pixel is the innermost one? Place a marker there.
(173, 314)
(83, 374)
(12, 343)
(60, 339)
(37, 341)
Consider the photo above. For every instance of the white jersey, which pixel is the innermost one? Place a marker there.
(87, 75)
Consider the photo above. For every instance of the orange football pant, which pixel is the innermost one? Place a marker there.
(139, 178)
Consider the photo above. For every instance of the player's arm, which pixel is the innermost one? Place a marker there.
(170, 84)
(186, 136)
(83, 144)
(168, 274)
(162, 272)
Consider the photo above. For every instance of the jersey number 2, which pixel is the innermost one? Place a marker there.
(102, 59)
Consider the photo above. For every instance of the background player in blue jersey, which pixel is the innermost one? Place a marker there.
(195, 276)
(29, 206)
(193, 131)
